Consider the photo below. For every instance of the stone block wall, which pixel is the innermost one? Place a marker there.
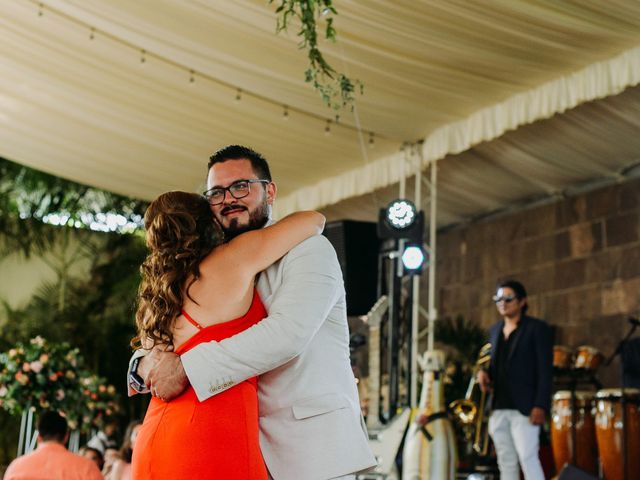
(579, 259)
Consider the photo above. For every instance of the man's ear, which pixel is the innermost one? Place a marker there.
(272, 190)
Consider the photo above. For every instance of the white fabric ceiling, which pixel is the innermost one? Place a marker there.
(80, 103)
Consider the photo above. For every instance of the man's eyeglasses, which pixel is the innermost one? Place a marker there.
(505, 299)
(238, 189)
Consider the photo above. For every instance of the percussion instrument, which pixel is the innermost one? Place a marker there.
(562, 357)
(588, 358)
(561, 436)
(609, 430)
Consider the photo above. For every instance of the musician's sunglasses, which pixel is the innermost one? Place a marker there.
(505, 299)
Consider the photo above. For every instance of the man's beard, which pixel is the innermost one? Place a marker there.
(257, 219)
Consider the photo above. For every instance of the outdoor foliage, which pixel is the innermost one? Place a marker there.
(462, 341)
(93, 311)
(28, 196)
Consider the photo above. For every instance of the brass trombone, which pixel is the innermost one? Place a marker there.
(474, 408)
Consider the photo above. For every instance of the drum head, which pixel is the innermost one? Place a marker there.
(580, 395)
(616, 393)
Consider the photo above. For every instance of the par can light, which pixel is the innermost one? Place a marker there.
(413, 257)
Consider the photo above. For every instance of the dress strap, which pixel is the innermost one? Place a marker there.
(191, 320)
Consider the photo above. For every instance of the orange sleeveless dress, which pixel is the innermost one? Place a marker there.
(214, 439)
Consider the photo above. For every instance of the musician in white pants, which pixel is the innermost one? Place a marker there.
(520, 376)
(310, 421)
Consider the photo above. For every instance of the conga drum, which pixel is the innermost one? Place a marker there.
(588, 358)
(562, 357)
(561, 439)
(609, 432)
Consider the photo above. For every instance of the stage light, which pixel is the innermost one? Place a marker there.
(413, 259)
(401, 213)
(401, 220)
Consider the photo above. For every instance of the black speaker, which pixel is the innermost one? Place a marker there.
(356, 244)
(569, 472)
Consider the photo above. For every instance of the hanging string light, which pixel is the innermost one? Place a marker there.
(371, 140)
(144, 55)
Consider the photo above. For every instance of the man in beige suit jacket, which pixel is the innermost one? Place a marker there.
(310, 421)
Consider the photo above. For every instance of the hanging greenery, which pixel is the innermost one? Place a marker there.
(337, 90)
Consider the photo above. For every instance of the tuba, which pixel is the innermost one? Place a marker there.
(474, 409)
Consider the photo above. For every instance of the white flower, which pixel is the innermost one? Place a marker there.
(36, 366)
(59, 394)
(3, 391)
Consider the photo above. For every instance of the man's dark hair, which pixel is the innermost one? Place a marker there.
(238, 152)
(518, 289)
(52, 426)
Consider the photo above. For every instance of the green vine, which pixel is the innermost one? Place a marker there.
(336, 89)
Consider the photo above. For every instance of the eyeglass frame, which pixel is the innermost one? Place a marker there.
(249, 181)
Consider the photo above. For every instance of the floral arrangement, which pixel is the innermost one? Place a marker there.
(99, 403)
(42, 375)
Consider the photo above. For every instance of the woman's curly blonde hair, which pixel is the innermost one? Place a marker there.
(180, 232)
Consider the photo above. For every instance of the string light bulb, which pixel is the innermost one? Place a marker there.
(285, 112)
(143, 56)
(192, 76)
(327, 128)
(40, 9)
(371, 139)
(92, 34)
(238, 95)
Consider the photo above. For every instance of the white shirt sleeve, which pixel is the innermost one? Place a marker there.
(311, 284)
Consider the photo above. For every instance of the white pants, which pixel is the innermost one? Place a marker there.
(516, 439)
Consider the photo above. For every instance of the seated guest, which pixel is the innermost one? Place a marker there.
(51, 460)
(105, 438)
(93, 454)
(111, 456)
(121, 469)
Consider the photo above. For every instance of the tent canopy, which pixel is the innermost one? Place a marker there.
(132, 97)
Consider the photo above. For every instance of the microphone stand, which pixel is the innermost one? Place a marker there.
(623, 404)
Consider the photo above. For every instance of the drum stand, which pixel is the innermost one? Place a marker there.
(576, 376)
(623, 402)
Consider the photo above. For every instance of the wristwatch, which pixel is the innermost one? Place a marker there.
(135, 380)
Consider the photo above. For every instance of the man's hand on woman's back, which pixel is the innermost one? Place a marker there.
(163, 373)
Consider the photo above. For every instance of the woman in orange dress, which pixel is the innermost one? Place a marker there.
(196, 289)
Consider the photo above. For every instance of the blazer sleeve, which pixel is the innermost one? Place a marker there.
(544, 359)
(311, 284)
